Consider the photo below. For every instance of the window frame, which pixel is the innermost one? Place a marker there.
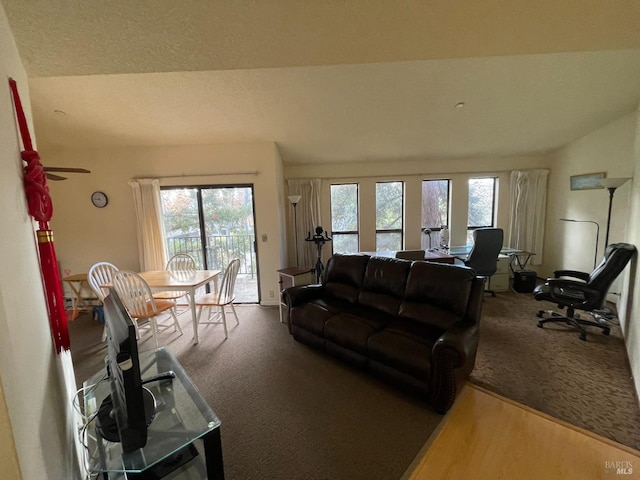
(448, 219)
(402, 219)
(471, 228)
(345, 232)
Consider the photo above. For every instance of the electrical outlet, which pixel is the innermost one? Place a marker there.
(272, 294)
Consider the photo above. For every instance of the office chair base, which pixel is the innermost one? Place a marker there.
(575, 321)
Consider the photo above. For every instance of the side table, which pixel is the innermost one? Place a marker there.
(290, 277)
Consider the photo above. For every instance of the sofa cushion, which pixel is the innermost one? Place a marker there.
(343, 276)
(437, 294)
(310, 316)
(384, 284)
(352, 329)
(405, 346)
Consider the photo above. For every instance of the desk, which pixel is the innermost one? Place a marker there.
(181, 417)
(183, 281)
(429, 255)
(516, 256)
(77, 283)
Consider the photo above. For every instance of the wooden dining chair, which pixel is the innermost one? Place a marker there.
(181, 264)
(101, 274)
(136, 296)
(216, 303)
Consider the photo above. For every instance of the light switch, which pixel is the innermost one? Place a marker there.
(264, 237)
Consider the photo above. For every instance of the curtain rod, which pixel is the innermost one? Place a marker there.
(184, 175)
(437, 174)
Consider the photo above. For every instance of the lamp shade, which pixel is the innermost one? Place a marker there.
(614, 182)
(294, 198)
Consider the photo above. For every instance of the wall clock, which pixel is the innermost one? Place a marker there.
(99, 199)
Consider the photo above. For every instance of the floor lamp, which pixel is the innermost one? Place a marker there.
(611, 184)
(294, 199)
(595, 257)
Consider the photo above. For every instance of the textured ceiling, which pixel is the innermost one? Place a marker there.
(329, 81)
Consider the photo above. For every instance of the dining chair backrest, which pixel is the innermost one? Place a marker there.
(135, 293)
(181, 262)
(101, 274)
(227, 286)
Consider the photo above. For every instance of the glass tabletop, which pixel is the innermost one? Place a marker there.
(181, 417)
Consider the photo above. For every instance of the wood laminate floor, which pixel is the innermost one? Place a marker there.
(486, 436)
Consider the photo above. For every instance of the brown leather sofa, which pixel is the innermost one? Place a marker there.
(413, 323)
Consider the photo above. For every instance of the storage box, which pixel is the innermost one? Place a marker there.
(524, 281)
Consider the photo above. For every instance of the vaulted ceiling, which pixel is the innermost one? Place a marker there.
(329, 81)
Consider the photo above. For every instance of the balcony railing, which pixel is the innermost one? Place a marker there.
(220, 250)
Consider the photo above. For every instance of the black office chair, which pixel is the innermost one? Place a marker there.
(483, 257)
(573, 290)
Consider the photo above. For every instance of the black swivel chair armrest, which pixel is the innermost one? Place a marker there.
(556, 285)
(571, 273)
(300, 294)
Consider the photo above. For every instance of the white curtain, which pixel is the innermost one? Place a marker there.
(527, 215)
(151, 240)
(307, 218)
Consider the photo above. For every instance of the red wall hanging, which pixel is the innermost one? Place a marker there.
(41, 209)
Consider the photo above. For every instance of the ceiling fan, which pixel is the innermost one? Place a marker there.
(53, 176)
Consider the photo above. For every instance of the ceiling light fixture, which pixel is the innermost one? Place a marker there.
(460, 105)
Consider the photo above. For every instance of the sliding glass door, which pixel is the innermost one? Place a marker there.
(214, 224)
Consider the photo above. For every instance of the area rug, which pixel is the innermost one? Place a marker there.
(586, 383)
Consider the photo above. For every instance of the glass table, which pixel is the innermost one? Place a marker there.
(181, 418)
(517, 257)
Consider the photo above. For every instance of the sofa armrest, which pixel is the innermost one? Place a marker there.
(462, 338)
(300, 294)
(453, 357)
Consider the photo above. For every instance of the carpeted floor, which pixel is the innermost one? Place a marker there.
(586, 383)
(289, 412)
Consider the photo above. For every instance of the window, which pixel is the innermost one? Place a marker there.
(389, 215)
(482, 202)
(344, 218)
(435, 211)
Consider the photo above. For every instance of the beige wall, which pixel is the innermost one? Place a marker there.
(630, 306)
(609, 149)
(86, 235)
(34, 414)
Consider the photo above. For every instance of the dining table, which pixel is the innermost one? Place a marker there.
(188, 281)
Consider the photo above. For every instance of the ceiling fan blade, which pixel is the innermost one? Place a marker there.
(51, 176)
(66, 169)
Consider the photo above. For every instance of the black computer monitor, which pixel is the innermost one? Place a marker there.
(125, 414)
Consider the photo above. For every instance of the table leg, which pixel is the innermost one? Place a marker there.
(213, 454)
(194, 317)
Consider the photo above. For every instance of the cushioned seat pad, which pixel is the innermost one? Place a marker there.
(352, 331)
(405, 346)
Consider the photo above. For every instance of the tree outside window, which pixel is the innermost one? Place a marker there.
(482, 195)
(344, 218)
(389, 216)
(435, 211)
